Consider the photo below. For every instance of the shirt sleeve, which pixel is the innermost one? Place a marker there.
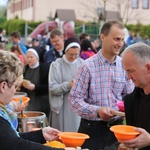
(10, 141)
(79, 95)
(56, 86)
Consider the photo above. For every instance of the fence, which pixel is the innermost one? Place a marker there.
(89, 28)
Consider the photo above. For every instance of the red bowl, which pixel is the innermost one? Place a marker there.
(120, 104)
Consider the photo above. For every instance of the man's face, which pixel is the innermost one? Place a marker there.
(58, 43)
(136, 70)
(14, 40)
(112, 43)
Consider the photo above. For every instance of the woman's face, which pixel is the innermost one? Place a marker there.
(31, 58)
(8, 91)
(72, 54)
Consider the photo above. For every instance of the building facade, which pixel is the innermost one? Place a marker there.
(130, 11)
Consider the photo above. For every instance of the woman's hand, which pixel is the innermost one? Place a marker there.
(28, 85)
(72, 83)
(50, 134)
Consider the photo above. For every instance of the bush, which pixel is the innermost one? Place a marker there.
(18, 25)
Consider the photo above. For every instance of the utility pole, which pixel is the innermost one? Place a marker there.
(104, 10)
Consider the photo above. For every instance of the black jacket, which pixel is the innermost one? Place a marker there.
(27, 141)
(132, 102)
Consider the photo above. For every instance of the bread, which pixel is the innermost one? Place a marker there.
(25, 82)
(118, 113)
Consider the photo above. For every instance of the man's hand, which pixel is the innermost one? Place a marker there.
(143, 140)
(104, 113)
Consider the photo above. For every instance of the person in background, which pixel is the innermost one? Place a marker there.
(10, 69)
(35, 42)
(86, 49)
(83, 36)
(62, 76)
(100, 83)
(97, 44)
(36, 46)
(17, 51)
(146, 40)
(131, 39)
(57, 40)
(136, 62)
(36, 87)
(16, 39)
(45, 42)
(2, 46)
(28, 42)
(3, 38)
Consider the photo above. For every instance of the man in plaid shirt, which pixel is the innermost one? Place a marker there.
(101, 81)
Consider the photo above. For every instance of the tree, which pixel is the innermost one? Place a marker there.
(123, 7)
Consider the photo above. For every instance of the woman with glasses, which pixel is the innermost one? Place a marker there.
(62, 76)
(11, 68)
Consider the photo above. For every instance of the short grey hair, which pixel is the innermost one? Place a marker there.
(55, 32)
(11, 67)
(140, 50)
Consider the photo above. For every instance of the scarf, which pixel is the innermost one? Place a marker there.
(8, 115)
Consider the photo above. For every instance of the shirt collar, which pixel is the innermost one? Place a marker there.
(104, 60)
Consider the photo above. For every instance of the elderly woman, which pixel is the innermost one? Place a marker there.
(36, 87)
(10, 69)
(61, 79)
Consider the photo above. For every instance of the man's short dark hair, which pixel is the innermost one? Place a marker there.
(83, 36)
(107, 26)
(16, 34)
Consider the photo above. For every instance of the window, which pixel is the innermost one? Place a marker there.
(135, 4)
(145, 4)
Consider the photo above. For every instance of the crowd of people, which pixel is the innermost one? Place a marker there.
(78, 81)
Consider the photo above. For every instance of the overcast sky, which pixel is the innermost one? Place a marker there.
(3, 2)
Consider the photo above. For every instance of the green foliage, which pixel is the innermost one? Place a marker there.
(91, 28)
(18, 25)
(139, 28)
(2, 15)
(32, 25)
(14, 25)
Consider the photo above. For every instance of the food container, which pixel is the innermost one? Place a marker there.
(73, 139)
(32, 119)
(20, 94)
(124, 132)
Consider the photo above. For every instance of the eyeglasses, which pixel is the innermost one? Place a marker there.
(16, 86)
(72, 55)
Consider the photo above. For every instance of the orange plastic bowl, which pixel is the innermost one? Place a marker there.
(25, 100)
(73, 139)
(124, 132)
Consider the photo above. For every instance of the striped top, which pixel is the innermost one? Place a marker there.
(99, 83)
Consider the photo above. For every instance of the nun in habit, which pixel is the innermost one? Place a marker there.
(62, 76)
(36, 73)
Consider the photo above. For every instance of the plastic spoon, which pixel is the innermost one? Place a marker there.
(21, 110)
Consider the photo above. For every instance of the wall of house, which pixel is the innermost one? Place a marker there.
(85, 10)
